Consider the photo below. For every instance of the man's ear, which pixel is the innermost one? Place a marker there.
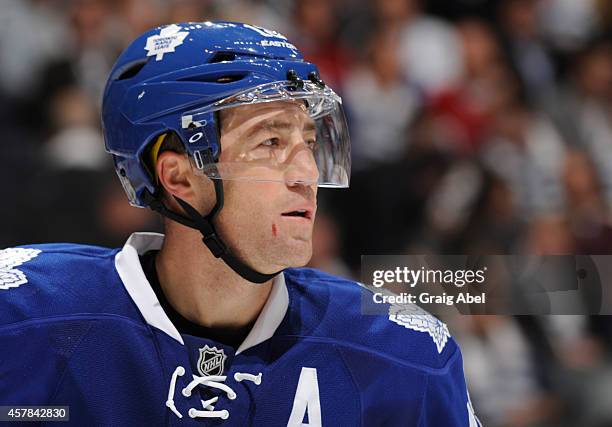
(175, 175)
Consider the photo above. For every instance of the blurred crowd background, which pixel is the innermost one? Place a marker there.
(478, 126)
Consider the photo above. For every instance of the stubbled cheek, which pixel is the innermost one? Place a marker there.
(274, 232)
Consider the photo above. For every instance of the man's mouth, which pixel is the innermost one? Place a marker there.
(299, 213)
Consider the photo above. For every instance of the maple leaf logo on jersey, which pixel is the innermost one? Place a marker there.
(415, 318)
(168, 39)
(10, 277)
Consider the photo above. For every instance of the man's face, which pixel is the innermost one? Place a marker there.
(270, 184)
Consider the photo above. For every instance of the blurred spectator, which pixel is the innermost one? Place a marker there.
(76, 143)
(394, 15)
(380, 102)
(356, 23)
(115, 219)
(189, 11)
(452, 201)
(32, 33)
(504, 374)
(583, 108)
(588, 215)
(430, 50)
(495, 226)
(549, 235)
(567, 24)
(460, 9)
(315, 34)
(133, 17)
(479, 46)
(94, 45)
(466, 109)
(256, 12)
(520, 20)
(326, 245)
(527, 151)
(603, 10)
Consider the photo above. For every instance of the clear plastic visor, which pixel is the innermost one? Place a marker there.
(278, 132)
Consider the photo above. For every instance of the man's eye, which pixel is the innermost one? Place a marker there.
(272, 142)
(312, 144)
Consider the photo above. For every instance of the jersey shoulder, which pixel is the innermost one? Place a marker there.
(341, 310)
(47, 280)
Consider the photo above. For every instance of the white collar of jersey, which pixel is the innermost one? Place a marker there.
(130, 271)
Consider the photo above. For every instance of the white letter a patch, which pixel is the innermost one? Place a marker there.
(306, 401)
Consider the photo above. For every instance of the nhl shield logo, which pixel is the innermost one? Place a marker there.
(211, 361)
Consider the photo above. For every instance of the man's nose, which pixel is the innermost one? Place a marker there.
(302, 166)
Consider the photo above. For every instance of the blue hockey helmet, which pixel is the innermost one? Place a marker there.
(176, 78)
(180, 79)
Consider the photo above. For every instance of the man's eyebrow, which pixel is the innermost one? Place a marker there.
(310, 125)
(279, 125)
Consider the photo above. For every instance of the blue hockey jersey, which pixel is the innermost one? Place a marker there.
(81, 326)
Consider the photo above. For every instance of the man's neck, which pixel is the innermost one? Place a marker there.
(202, 288)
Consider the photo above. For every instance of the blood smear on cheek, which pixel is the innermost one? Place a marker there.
(274, 230)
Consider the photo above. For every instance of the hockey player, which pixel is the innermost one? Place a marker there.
(227, 132)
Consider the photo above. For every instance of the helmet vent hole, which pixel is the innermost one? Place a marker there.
(222, 57)
(132, 69)
(229, 79)
(217, 77)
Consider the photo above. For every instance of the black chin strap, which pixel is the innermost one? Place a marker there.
(209, 235)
